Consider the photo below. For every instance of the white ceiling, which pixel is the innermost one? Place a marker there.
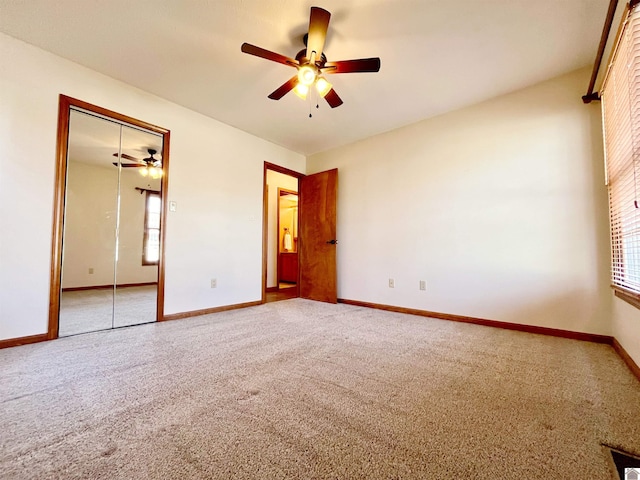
(437, 55)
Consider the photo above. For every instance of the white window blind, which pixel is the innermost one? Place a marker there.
(621, 113)
(151, 239)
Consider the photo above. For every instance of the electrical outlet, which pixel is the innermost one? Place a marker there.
(423, 285)
(91, 271)
(214, 283)
(392, 283)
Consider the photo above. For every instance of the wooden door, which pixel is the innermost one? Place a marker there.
(317, 203)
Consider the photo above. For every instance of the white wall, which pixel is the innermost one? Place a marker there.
(275, 180)
(90, 220)
(626, 327)
(90, 224)
(501, 207)
(210, 163)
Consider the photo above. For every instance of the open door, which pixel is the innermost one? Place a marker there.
(317, 203)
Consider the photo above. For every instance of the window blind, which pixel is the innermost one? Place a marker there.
(621, 120)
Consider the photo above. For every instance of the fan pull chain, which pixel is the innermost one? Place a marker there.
(317, 102)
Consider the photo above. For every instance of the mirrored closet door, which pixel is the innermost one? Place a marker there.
(111, 232)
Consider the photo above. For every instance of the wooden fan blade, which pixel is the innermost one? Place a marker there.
(262, 53)
(318, 25)
(333, 99)
(285, 88)
(127, 157)
(129, 165)
(352, 66)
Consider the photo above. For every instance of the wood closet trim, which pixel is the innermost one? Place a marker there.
(15, 342)
(62, 146)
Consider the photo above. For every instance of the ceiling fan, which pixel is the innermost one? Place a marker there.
(150, 166)
(312, 63)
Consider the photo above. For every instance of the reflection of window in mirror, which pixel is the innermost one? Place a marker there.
(151, 245)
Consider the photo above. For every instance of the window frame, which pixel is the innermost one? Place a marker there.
(624, 237)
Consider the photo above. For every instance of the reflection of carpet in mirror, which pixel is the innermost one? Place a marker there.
(90, 310)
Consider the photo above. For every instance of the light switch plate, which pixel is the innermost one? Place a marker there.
(173, 206)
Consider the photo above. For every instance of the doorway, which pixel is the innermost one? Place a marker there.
(281, 227)
(304, 253)
(107, 253)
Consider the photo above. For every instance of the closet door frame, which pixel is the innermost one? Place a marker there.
(66, 104)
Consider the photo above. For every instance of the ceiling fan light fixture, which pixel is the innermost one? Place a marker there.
(301, 91)
(144, 171)
(323, 86)
(311, 62)
(307, 75)
(155, 172)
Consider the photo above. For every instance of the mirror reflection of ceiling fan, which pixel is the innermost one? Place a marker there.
(312, 63)
(150, 166)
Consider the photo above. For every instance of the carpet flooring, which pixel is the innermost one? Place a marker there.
(301, 389)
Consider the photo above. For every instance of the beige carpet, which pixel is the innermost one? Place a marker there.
(299, 389)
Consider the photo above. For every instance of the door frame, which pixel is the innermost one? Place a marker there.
(265, 216)
(279, 195)
(65, 106)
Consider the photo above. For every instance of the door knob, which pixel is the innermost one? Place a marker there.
(333, 242)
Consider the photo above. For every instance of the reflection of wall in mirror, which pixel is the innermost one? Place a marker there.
(90, 216)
